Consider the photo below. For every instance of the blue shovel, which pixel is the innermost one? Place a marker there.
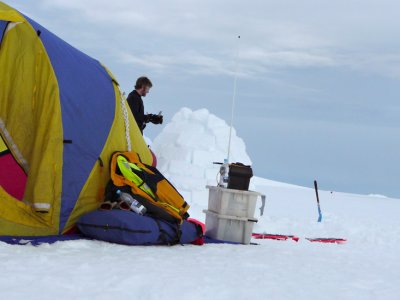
(319, 208)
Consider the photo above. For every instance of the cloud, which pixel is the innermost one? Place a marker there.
(202, 34)
(156, 62)
(384, 64)
(186, 62)
(287, 58)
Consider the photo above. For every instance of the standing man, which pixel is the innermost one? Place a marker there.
(142, 87)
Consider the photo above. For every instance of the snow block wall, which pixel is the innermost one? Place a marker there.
(187, 148)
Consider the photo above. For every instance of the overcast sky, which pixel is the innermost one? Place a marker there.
(317, 81)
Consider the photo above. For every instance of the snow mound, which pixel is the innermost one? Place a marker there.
(187, 148)
(377, 196)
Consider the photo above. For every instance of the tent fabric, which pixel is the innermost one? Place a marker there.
(30, 124)
(37, 241)
(79, 78)
(3, 26)
(9, 14)
(61, 118)
(12, 176)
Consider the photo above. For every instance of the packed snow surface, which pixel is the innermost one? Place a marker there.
(366, 267)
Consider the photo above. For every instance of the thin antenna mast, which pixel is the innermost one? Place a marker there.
(233, 98)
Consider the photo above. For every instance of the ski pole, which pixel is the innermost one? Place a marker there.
(319, 207)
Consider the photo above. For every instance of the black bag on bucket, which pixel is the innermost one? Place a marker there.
(239, 176)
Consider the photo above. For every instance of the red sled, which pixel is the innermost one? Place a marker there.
(278, 237)
(327, 240)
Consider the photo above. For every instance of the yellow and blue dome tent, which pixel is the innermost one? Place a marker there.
(62, 115)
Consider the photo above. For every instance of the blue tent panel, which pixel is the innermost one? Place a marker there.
(3, 26)
(87, 100)
(38, 240)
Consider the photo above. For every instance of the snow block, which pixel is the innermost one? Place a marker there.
(199, 196)
(129, 228)
(182, 168)
(172, 152)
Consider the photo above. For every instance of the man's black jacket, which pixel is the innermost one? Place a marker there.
(136, 104)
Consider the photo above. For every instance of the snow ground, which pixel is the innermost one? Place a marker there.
(366, 267)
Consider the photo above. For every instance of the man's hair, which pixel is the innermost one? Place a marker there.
(143, 81)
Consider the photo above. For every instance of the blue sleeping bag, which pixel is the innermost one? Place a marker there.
(129, 228)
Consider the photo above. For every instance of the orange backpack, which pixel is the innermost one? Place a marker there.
(147, 185)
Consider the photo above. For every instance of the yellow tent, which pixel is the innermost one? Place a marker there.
(61, 117)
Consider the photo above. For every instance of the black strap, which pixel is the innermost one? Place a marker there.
(150, 179)
(109, 227)
(179, 233)
(176, 239)
(162, 237)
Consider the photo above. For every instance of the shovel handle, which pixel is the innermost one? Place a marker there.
(316, 190)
